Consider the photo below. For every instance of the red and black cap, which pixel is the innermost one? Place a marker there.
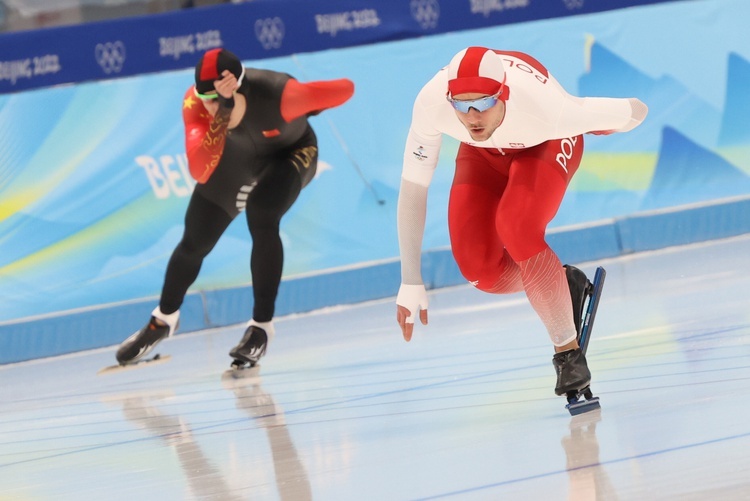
(211, 66)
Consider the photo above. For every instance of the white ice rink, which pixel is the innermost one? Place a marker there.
(344, 409)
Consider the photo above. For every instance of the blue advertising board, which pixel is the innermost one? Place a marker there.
(254, 30)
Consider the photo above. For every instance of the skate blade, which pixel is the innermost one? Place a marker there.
(156, 359)
(240, 362)
(581, 406)
(241, 370)
(594, 294)
(587, 420)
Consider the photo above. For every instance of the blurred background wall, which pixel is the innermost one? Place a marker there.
(94, 181)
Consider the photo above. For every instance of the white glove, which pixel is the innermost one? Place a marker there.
(413, 298)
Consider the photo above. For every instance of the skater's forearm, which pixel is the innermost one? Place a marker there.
(412, 212)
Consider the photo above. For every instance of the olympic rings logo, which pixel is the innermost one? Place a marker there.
(269, 32)
(425, 12)
(573, 4)
(110, 56)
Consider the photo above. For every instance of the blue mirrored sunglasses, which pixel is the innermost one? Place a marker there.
(481, 104)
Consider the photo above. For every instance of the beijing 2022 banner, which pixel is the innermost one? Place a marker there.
(255, 30)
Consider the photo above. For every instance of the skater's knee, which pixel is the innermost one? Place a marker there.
(194, 248)
(521, 238)
(473, 271)
(495, 278)
(263, 224)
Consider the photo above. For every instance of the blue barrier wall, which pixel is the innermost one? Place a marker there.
(91, 328)
(93, 181)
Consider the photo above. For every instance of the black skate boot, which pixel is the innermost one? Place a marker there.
(572, 371)
(137, 346)
(580, 289)
(251, 348)
(573, 380)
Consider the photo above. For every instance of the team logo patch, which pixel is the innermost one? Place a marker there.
(419, 154)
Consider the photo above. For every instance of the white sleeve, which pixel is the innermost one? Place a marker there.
(589, 114)
(420, 159)
(639, 110)
(424, 139)
(411, 215)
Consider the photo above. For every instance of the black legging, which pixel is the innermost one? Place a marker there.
(278, 187)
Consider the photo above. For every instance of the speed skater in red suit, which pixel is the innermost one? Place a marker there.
(521, 142)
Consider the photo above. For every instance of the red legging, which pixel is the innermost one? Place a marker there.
(499, 209)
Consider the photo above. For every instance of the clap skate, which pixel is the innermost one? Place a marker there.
(156, 359)
(133, 351)
(251, 348)
(574, 378)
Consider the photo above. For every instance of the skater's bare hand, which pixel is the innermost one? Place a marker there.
(407, 328)
(226, 86)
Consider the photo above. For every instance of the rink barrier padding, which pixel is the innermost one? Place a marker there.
(698, 222)
(108, 325)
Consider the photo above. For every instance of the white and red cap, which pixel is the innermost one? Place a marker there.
(477, 70)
